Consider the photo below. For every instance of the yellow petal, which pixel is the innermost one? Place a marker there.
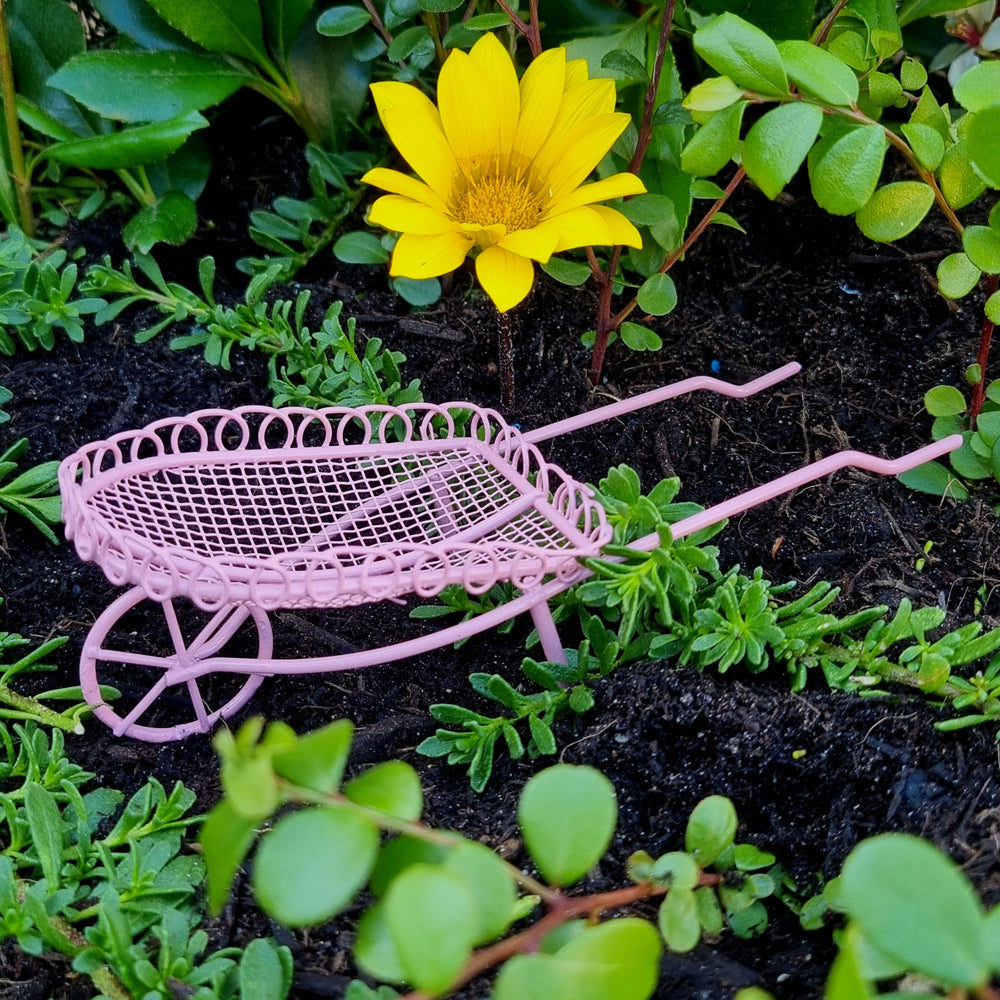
(414, 126)
(615, 186)
(506, 277)
(428, 256)
(567, 165)
(620, 230)
(579, 227)
(538, 243)
(541, 95)
(397, 183)
(576, 72)
(404, 215)
(478, 109)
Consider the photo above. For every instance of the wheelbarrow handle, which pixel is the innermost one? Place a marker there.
(793, 480)
(665, 392)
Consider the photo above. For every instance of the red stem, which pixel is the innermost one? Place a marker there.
(561, 909)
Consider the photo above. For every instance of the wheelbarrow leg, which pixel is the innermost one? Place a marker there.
(552, 647)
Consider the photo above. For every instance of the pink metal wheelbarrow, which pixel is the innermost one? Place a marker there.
(242, 512)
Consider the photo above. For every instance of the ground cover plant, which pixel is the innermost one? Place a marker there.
(753, 825)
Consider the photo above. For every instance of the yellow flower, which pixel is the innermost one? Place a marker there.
(501, 167)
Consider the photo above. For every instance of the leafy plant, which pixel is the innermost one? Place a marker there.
(32, 494)
(324, 368)
(37, 296)
(978, 458)
(444, 906)
(17, 705)
(120, 906)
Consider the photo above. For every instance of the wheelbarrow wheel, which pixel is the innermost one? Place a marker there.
(155, 655)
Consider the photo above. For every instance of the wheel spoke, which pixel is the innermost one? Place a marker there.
(224, 624)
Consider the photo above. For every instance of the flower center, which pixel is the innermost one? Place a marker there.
(505, 200)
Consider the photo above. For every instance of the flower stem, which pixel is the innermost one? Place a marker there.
(506, 362)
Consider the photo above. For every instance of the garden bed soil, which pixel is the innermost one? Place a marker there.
(811, 773)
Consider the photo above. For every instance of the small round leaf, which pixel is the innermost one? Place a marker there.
(914, 903)
(895, 210)
(678, 920)
(957, 276)
(657, 295)
(433, 919)
(710, 829)
(392, 788)
(944, 401)
(982, 246)
(337, 21)
(568, 815)
(313, 863)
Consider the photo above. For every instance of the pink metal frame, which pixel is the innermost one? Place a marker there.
(245, 511)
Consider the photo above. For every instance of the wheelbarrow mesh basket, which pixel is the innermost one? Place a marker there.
(304, 508)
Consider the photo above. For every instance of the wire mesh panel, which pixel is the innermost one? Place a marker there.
(275, 521)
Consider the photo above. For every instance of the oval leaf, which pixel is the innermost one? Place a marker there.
(392, 788)
(710, 829)
(678, 920)
(337, 21)
(895, 210)
(148, 86)
(982, 246)
(742, 52)
(913, 902)
(657, 295)
(778, 143)
(313, 863)
(130, 147)
(957, 276)
(818, 72)
(845, 165)
(432, 919)
(944, 401)
(983, 143)
(567, 815)
(979, 87)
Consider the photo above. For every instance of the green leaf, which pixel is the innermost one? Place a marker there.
(360, 248)
(226, 838)
(967, 463)
(316, 761)
(231, 26)
(912, 75)
(657, 295)
(944, 401)
(744, 53)
(983, 142)
(130, 147)
(265, 970)
(936, 479)
(982, 246)
(45, 825)
(884, 90)
(418, 292)
(979, 87)
(957, 276)
(567, 272)
(777, 144)
(715, 143)
(710, 829)
(895, 210)
(173, 220)
(619, 958)
(432, 917)
(148, 86)
(391, 787)
(913, 902)
(957, 177)
(492, 885)
(313, 863)
(567, 815)
(992, 308)
(845, 165)
(374, 948)
(926, 143)
(678, 920)
(337, 21)
(639, 338)
(713, 94)
(819, 73)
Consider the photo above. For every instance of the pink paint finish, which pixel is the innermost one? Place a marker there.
(242, 512)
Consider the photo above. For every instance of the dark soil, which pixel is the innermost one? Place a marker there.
(810, 774)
